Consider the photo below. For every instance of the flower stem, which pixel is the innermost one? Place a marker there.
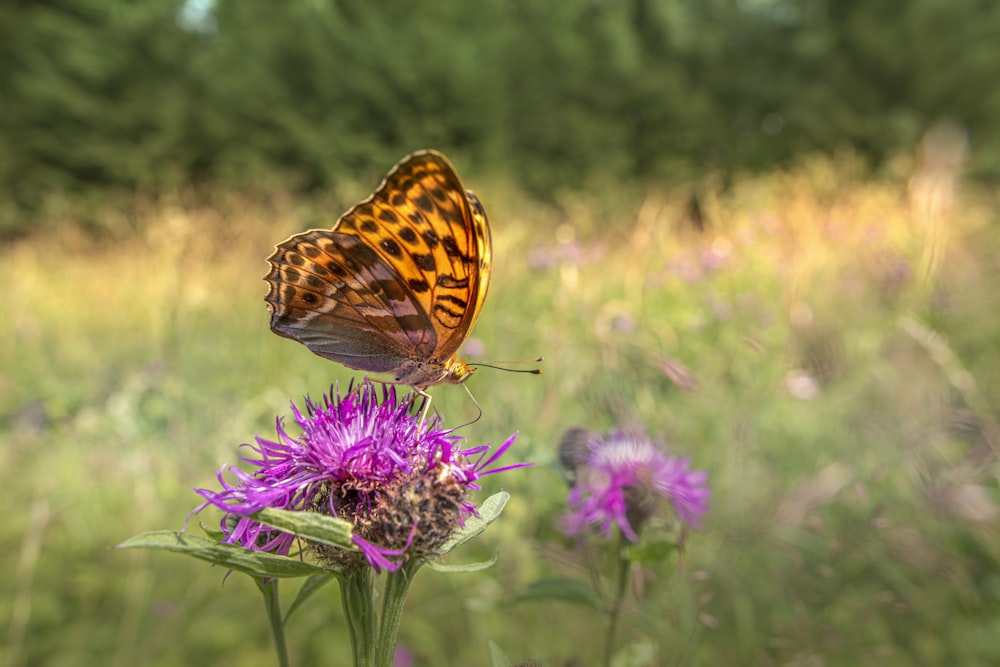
(396, 586)
(359, 610)
(624, 566)
(272, 603)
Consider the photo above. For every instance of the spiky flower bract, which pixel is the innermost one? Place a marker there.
(623, 478)
(402, 482)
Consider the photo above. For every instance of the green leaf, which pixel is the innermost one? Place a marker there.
(310, 525)
(564, 590)
(311, 585)
(467, 567)
(488, 513)
(254, 563)
(497, 657)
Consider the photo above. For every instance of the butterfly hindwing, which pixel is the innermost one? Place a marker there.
(335, 295)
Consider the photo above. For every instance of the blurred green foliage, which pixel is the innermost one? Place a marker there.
(100, 96)
(840, 391)
(823, 343)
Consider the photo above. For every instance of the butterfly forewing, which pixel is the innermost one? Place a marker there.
(422, 221)
(481, 242)
(401, 278)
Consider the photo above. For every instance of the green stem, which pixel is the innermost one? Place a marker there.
(359, 610)
(397, 584)
(624, 567)
(272, 603)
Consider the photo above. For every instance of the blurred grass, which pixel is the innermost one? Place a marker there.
(788, 332)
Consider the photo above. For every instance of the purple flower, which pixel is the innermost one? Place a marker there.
(402, 657)
(403, 484)
(624, 478)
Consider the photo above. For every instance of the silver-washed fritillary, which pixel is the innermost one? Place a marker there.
(397, 284)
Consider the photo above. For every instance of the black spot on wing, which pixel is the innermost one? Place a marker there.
(390, 247)
(451, 248)
(351, 264)
(425, 203)
(418, 285)
(452, 216)
(408, 235)
(423, 261)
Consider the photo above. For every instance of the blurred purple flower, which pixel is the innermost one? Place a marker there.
(474, 347)
(623, 324)
(570, 253)
(403, 484)
(623, 478)
(402, 657)
(715, 257)
(686, 268)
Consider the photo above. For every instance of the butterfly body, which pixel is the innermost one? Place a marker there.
(397, 284)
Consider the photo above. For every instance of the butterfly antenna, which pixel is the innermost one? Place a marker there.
(530, 371)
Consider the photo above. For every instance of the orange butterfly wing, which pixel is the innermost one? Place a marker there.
(397, 284)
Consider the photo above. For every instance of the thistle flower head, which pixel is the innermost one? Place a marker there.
(402, 483)
(623, 478)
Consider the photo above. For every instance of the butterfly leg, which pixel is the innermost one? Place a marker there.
(427, 405)
(413, 398)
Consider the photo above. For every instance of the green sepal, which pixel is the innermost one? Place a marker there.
(489, 510)
(214, 534)
(465, 567)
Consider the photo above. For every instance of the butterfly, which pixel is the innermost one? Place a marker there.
(397, 284)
